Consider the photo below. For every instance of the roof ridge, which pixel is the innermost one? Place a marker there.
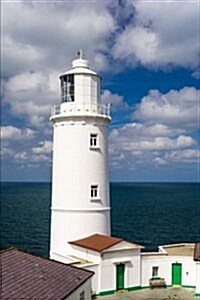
(45, 258)
(7, 249)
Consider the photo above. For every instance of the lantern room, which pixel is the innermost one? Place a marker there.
(80, 92)
(80, 84)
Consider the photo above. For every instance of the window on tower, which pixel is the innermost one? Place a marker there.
(94, 140)
(67, 88)
(94, 192)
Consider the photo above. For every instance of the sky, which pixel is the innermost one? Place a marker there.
(148, 55)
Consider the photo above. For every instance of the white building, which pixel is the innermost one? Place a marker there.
(115, 262)
(80, 219)
(119, 264)
(174, 263)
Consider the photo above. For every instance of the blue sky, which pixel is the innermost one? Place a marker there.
(147, 53)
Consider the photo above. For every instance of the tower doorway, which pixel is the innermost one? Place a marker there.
(176, 274)
(120, 276)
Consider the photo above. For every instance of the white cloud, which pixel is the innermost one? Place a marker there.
(162, 133)
(186, 156)
(19, 147)
(159, 161)
(140, 131)
(47, 35)
(196, 74)
(27, 154)
(18, 57)
(31, 94)
(45, 147)
(116, 100)
(101, 62)
(6, 151)
(136, 44)
(160, 34)
(31, 160)
(176, 108)
(128, 149)
(14, 133)
(133, 137)
(42, 158)
(140, 32)
(21, 156)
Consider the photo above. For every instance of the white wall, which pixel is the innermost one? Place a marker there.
(95, 259)
(165, 268)
(130, 258)
(197, 290)
(95, 277)
(104, 266)
(86, 287)
(86, 254)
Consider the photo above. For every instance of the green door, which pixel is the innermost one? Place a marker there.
(176, 274)
(120, 276)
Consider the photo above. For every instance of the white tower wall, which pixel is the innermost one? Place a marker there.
(79, 166)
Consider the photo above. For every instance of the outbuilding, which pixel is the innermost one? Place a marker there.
(116, 262)
(174, 263)
(27, 276)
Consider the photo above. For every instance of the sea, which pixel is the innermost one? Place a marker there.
(150, 214)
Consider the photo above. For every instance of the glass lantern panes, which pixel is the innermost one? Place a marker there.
(67, 88)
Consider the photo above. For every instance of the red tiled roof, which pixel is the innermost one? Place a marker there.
(26, 276)
(97, 242)
(197, 252)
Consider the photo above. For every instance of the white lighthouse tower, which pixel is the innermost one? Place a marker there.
(80, 184)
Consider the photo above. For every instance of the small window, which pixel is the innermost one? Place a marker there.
(82, 295)
(94, 142)
(155, 272)
(94, 192)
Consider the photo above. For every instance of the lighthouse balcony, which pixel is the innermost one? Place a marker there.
(71, 109)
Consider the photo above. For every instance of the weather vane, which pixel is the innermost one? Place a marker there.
(80, 54)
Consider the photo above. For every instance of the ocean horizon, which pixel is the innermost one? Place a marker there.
(147, 213)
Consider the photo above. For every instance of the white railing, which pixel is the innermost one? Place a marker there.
(84, 108)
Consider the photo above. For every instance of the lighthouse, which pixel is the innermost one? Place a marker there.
(80, 185)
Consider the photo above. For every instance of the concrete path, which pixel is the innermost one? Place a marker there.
(174, 293)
